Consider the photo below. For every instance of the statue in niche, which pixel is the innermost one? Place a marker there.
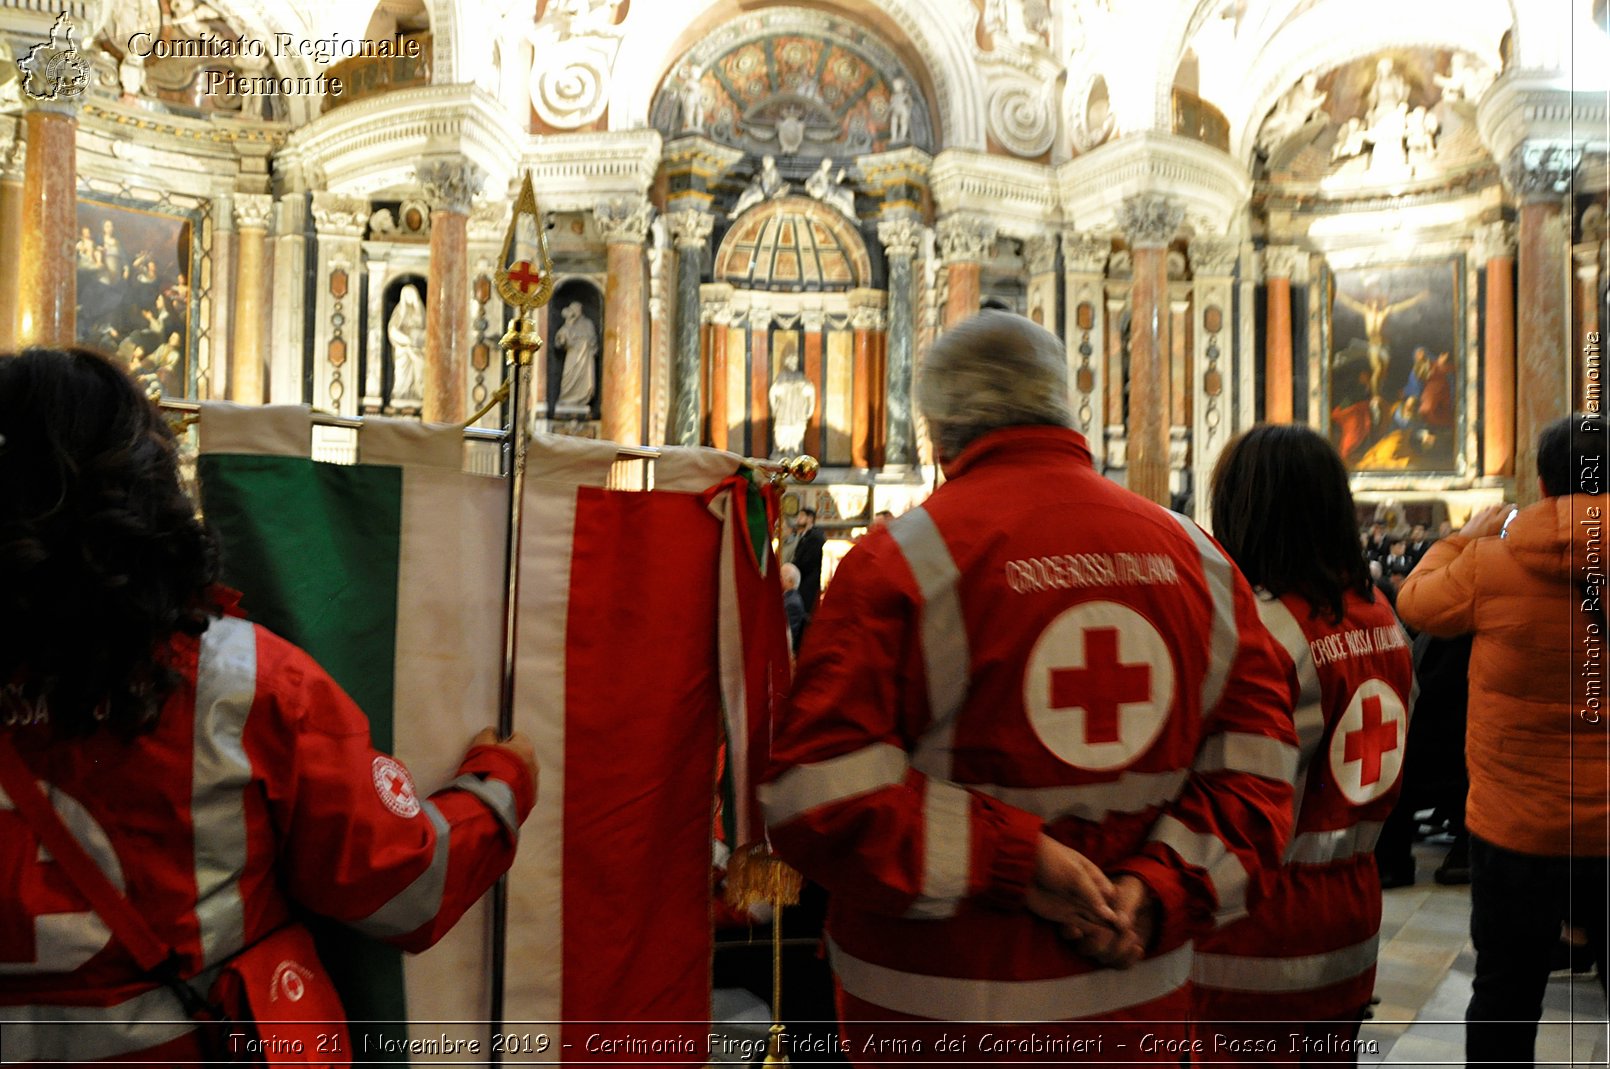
(406, 332)
(899, 112)
(768, 184)
(829, 188)
(691, 94)
(1292, 114)
(578, 339)
(793, 403)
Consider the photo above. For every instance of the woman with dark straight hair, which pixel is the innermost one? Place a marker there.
(1305, 953)
(179, 781)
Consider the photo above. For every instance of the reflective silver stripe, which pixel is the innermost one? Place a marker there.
(1323, 847)
(949, 998)
(946, 850)
(1132, 792)
(1207, 851)
(226, 681)
(1234, 973)
(946, 659)
(1309, 716)
(1224, 636)
(805, 787)
(87, 1033)
(419, 902)
(498, 796)
(1241, 751)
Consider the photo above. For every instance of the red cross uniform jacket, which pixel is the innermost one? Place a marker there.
(1033, 648)
(1307, 950)
(257, 788)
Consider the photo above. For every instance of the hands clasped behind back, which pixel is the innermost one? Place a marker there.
(1109, 922)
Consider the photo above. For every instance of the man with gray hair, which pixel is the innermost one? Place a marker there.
(1040, 743)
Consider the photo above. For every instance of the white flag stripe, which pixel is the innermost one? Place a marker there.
(256, 430)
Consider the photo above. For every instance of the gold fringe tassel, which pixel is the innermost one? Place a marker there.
(755, 875)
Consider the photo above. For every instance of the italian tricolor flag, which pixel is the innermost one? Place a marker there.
(649, 631)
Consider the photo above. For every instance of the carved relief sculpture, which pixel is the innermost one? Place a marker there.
(691, 94)
(899, 112)
(768, 184)
(1304, 102)
(575, 45)
(829, 188)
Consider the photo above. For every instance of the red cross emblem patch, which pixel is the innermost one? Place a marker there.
(395, 787)
(1099, 685)
(1366, 750)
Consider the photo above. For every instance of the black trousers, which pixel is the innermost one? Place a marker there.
(1517, 903)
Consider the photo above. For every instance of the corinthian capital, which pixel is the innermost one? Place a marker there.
(450, 185)
(1085, 253)
(965, 239)
(252, 210)
(1214, 257)
(624, 219)
(1542, 170)
(1495, 241)
(690, 228)
(1040, 253)
(339, 215)
(900, 236)
(1282, 261)
(1150, 219)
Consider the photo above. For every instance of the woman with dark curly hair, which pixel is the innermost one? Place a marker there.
(1305, 953)
(203, 771)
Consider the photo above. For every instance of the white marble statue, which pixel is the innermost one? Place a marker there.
(578, 339)
(1466, 81)
(899, 112)
(1292, 113)
(767, 184)
(1387, 119)
(793, 403)
(406, 332)
(790, 132)
(829, 188)
(1420, 138)
(691, 95)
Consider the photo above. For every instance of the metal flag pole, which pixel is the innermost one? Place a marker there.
(525, 282)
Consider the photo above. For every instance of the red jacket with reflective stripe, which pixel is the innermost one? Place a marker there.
(257, 788)
(1110, 683)
(1319, 914)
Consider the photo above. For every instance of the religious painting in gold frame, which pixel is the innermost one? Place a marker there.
(1395, 366)
(134, 301)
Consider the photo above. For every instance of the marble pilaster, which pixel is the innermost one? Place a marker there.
(47, 276)
(1495, 248)
(1280, 262)
(1084, 267)
(690, 233)
(286, 322)
(339, 221)
(1213, 263)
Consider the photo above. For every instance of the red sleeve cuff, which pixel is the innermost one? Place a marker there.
(501, 765)
(1010, 867)
(1174, 923)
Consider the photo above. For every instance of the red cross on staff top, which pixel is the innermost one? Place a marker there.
(1371, 741)
(1101, 686)
(526, 277)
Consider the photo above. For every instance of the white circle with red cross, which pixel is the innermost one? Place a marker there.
(395, 787)
(1366, 751)
(1099, 685)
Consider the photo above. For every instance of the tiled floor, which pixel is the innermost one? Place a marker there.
(1423, 982)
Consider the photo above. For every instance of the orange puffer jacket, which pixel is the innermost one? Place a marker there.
(1537, 743)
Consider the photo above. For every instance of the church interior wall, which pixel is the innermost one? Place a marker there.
(1047, 149)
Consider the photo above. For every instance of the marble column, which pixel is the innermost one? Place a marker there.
(965, 242)
(1495, 247)
(47, 275)
(1150, 222)
(690, 233)
(287, 319)
(1084, 267)
(900, 235)
(450, 187)
(624, 224)
(758, 320)
(1280, 262)
(13, 155)
(1541, 178)
(248, 369)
